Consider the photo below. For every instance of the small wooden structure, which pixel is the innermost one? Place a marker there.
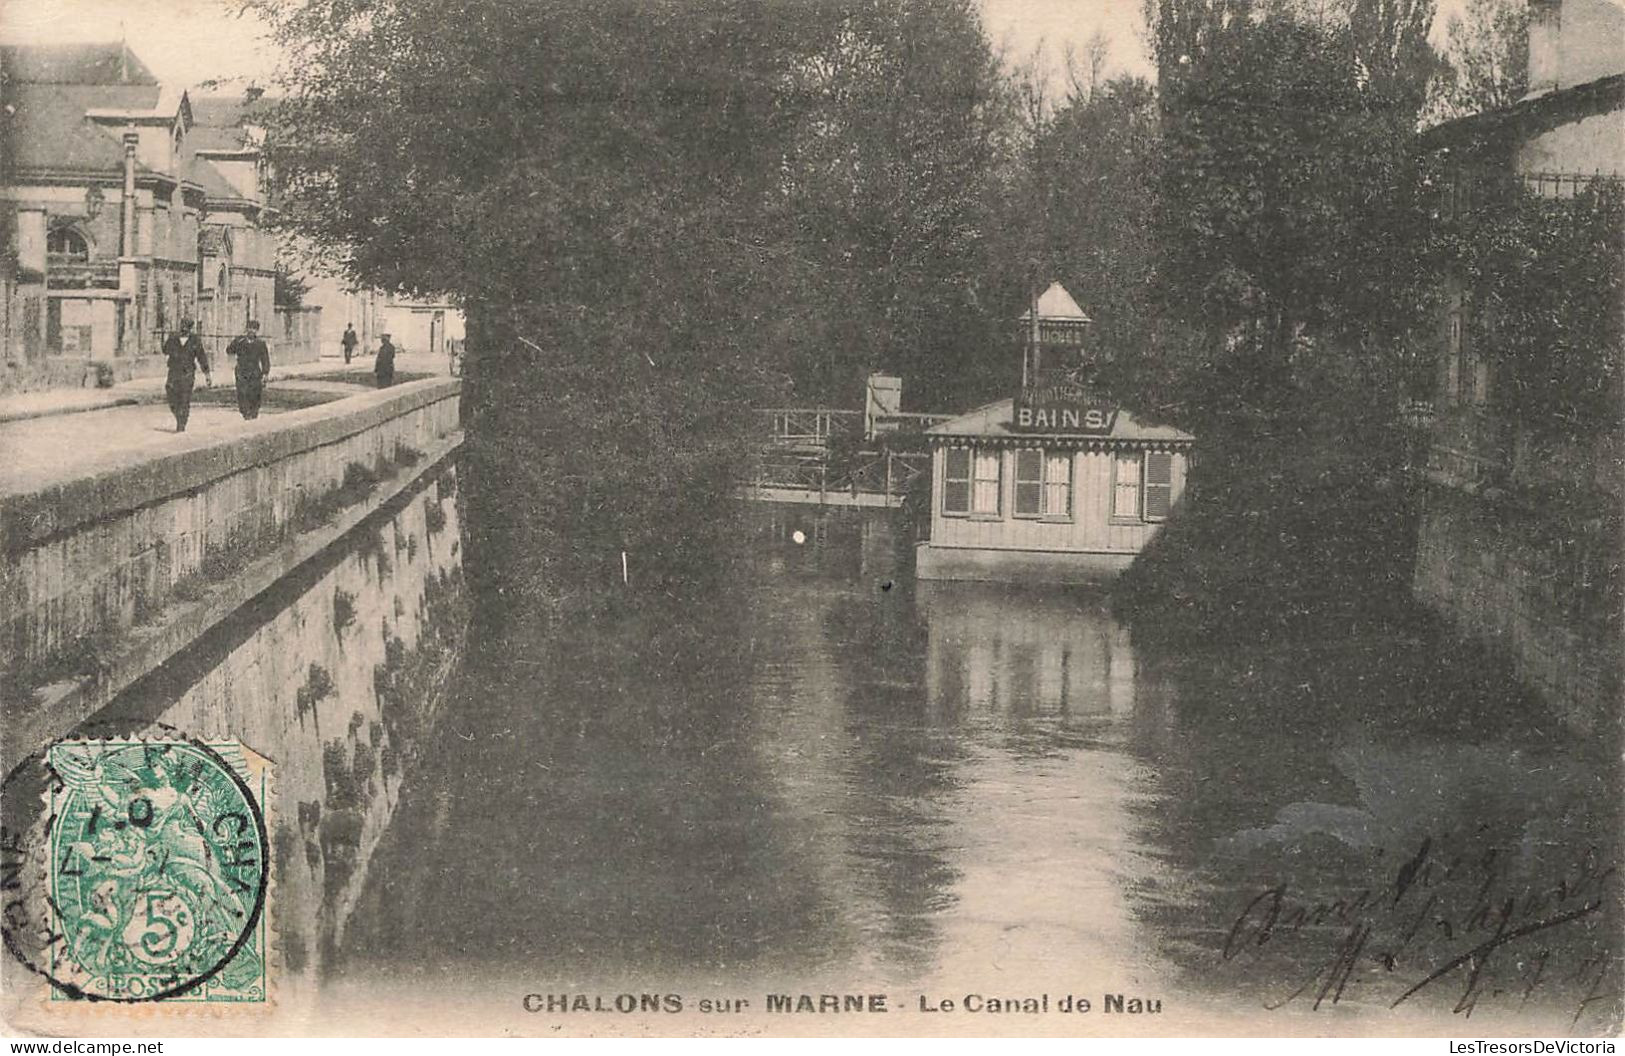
(1054, 484)
(830, 456)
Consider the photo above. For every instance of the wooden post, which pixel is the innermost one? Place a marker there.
(1032, 342)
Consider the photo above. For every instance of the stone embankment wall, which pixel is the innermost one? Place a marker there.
(87, 560)
(1539, 589)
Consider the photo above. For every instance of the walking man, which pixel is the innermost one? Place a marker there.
(384, 366)
(185, 354)
(349, 341)
(253, 364)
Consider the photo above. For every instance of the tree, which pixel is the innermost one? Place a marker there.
(597, 185)
(1084, 214)
(656, 215)
(1487, 52)
(884, 190)
(1289, 219)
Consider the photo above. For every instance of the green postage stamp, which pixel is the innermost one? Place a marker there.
(158, 871)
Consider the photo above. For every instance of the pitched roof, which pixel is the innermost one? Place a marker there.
(1531, 116)
(218, 111)
(214, 184)
(209, 137)
(107, 63)
(995, 420)
(49, 129)
(1056, 303)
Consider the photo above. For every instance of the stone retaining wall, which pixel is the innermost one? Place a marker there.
(87, 558)
(1538, 590)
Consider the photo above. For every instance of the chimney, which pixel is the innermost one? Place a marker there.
(1545, 46)
(127, 238)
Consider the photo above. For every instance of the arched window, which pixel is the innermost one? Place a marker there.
(64, 245)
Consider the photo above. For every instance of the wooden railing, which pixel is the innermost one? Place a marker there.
(799, 452)
(808, 426)
(1563, 184)
(905, 422)
(817, 426)
(889, 473)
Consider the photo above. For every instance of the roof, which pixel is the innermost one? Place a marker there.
(215, 139)
(218, 111)
(108, 63)
(994, 420)
(214, 184)
(219, 122)
(49, 129)
(1056, 303)
(1531, 116)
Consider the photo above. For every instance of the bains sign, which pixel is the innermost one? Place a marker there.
(1061, 408)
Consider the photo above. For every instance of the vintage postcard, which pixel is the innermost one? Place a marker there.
(912, 518)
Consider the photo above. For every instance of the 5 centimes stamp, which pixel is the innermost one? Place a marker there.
(155, 876)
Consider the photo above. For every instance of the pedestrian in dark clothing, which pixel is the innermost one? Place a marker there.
(349, 341)
(253, 364)
(384, 367)
(185, 354)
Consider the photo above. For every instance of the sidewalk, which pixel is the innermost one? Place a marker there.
(50, 402)
(72, 440)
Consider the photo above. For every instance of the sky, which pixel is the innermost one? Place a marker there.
(184, 42)
(1020, 26)
(188, 41)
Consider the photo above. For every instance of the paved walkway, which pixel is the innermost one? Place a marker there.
(26, 405)
(74, 441)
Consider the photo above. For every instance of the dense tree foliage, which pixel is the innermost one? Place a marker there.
(885, 184)
(657, 215)
(1289, 222)
(661, 214)
(1487, 53)
(1546, 287)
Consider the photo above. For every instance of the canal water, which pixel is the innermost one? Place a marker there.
(833, 779)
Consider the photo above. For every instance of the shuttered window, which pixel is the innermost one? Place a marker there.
(1043, 483)
(956, 481)
(1126, 486)
(1058, 485)
(1029, 483)
(1159, 484)
(970, 481)
(984, 497)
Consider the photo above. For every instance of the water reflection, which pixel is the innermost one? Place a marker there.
(835, 775)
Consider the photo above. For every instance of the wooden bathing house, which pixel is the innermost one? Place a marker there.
(1052, 485)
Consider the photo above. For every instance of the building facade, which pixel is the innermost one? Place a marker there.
(429, 326)
(1519, 543)
(126, 206)
(1052, 485)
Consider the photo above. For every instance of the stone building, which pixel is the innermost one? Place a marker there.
(424, 325)
(1519, 543)
(126, 205)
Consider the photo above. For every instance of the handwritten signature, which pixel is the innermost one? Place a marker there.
(1447, 916)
